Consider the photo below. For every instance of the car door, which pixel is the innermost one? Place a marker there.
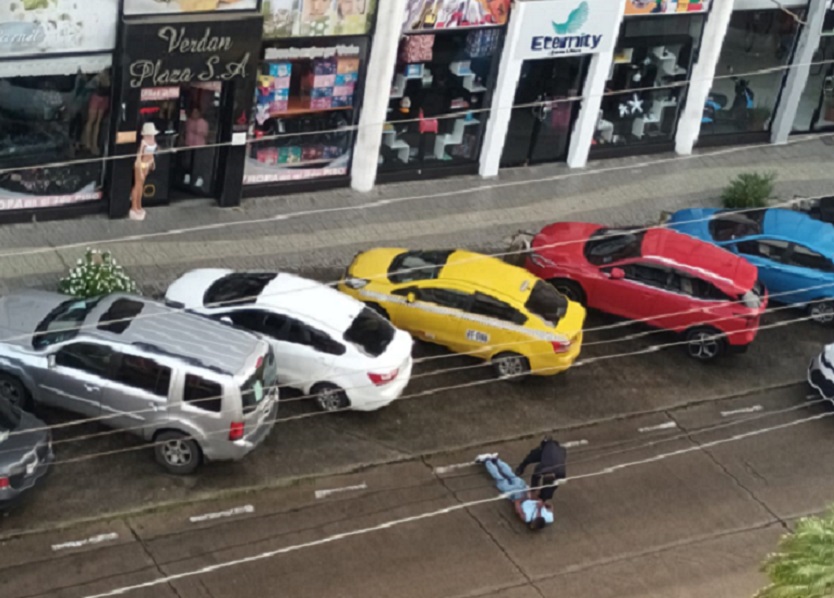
(631, 289)
(76, 376)
(492, 324)
(303, 350)
(435, 313)
(137, 397)
(808, 273)
(687, 301)
(768, 255)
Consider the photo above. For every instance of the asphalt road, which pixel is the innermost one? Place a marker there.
(696, 523)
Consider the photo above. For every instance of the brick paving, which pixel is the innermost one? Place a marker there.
(317, 233)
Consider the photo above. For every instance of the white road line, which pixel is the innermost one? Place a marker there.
(325, 493)
(92, 540)
(221, 514)
(447, 468)
(664, 426)
(575, 443)
(752, 409)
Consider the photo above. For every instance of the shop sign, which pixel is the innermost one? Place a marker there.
(158, 94)
(51, 26)
(154, 7)
(312, 52)
(423, 15)
(566, 27)
(293, 174)
(665, 7)
(317, 18)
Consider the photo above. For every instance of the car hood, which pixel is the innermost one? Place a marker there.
(15, 446)
(21, 313)
(374, 264)
(564, 240)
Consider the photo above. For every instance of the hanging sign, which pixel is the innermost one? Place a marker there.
(566, 28)
(155, 7)
(423, 15)
(665, 7)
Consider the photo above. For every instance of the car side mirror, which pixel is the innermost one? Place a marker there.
(617, 273)
(51, 361)
(411, 298)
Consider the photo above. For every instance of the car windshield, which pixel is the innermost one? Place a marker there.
(547, 303)
(63, 322)
(10, 417)
(370, 333)
(259, 383)
(729, 225)
(417, 265)
(239, 288)
(610, 245)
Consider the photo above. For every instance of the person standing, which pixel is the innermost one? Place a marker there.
(196, 135)
(551, 460)
(535, 512)
(145, 162)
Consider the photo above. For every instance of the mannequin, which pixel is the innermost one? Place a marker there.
(145, 162)
(97, 108)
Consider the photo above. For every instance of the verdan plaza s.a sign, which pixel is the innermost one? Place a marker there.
(566, 27)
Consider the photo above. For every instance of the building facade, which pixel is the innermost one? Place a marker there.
(271, 97)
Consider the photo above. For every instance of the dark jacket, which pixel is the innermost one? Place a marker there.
(550, 457)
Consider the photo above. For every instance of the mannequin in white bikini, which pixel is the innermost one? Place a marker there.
(145, 162)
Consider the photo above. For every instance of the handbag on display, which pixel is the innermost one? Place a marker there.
(428, 125)
(417, 48)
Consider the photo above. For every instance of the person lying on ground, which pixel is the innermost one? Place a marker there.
(536, 513)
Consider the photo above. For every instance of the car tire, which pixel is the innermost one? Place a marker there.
(14, 391)
(329, 397)
(705, 344)
(379, 309)
(822, 312)
(570, 289)
(176, 453)
(511, 366)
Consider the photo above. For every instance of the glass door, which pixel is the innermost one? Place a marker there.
(194, 168)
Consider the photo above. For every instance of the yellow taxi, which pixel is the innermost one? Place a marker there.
(471, 303)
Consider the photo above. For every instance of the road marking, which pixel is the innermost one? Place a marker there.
(664, 426)
(92, 540)
(221, 514)
(575, 443)
(325, 493)
(752, 409)
(448, 468)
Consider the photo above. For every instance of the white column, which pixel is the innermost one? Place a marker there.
(378, 77)
(498, 120)
(689, 123)
(797, 76)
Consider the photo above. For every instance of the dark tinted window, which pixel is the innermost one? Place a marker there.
(725, 227)
(251, 319)
(290, 330)
(120, 315)
(370, 333)
(768, 249)
(9, 416)
(417, 265)
(258, 385)
(203, 394)
(144, 373)
(445, 297)
(87, 357)
(547, 303)
(237, 288)
(696, 287)
(610, 245)
(805, 258)
(649, 275)
(63, 322)
(484, 305)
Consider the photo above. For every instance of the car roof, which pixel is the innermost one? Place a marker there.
(174, 333)
(310, 299)
(800, 228)
(489, 273)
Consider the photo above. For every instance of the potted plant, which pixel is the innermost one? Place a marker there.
(748, 190)
(97, 273)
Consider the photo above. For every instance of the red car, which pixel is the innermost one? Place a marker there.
(664, 278)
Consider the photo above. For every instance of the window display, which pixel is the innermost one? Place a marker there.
(438, 96)
(742, 98)
(48, 119)
(816, 106)
(315, 18)
(306, 106)
(447, 14)
(644, 94)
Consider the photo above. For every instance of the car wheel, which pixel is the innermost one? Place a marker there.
(13, 391)
(570, 289)
(177, 453)
(511, 366)
(330, 397)
(822, 312)
(705, 344)
(379, 309)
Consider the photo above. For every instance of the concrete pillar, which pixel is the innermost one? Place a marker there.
(689, 124)
(498, 118)
(797, 76)
(378, 77)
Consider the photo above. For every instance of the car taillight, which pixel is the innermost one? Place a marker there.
(4, 483)
(380, 379)
(236, 431)
(560, 346)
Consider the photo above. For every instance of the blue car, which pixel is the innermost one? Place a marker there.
(793, 252)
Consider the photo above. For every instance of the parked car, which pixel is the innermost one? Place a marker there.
(195, 388)
(472, 304)
(821, 373)
(793, 252)
(327, 344)
(663, 278)
(25, 453)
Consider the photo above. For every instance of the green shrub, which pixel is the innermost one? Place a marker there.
(749, 190)
(97, 273)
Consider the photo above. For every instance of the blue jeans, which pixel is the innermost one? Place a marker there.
(506, 481)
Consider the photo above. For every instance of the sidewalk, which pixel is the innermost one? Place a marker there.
(318, 233)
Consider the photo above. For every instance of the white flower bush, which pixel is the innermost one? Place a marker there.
(97, 273)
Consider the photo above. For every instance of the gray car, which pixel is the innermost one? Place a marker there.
(197, 389)
(25, 453)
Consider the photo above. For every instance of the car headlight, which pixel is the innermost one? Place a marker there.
(356, 283)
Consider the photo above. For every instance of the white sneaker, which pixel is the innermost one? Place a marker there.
(199, 182)
(484, 457)
(186, 179)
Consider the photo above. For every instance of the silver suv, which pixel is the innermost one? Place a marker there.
(197, 389)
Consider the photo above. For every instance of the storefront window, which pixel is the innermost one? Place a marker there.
(436, 113)
(816, 106)
(306, 109)
(48, 119)
(743, 98)
(645, 89)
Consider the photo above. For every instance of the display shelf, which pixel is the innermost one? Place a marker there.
(453, 138)
(283, 165)
(296, 109)
(463, 70)
(400, 80)
(389, 138)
